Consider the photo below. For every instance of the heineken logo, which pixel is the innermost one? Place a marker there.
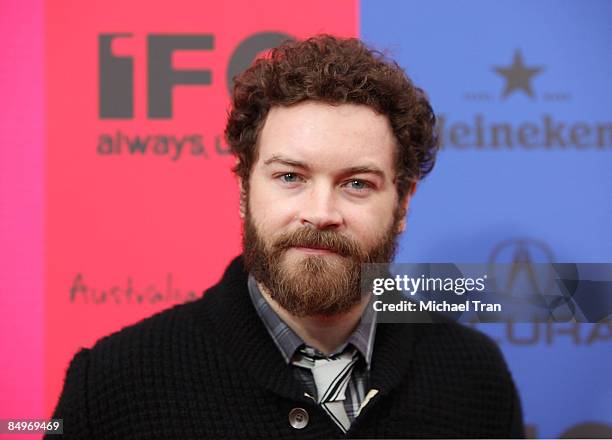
(517, 80)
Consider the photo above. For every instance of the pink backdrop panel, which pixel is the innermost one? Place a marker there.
(21, 210)
(142, 210)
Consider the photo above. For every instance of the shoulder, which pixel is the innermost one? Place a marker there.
(468, 368)
(170, 333)
(148, 361)
(460, 344)
(152, 328)
(479, 365)
(123, 362)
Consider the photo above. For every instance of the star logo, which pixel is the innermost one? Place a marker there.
(518, 76)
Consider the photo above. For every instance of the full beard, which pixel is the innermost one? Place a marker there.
(327, 284)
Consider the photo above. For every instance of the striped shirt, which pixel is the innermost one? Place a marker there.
(289, 345)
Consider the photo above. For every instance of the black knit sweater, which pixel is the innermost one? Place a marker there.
(209, 369)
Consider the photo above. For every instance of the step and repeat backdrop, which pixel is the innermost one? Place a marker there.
(118, 199)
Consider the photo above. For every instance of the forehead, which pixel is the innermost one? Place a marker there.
(328, 136)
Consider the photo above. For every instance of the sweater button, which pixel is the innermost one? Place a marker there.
(298, 418)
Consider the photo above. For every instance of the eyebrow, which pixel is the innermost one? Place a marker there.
(285, 161)
(359, 169)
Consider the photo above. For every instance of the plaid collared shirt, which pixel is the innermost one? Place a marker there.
(289, 343)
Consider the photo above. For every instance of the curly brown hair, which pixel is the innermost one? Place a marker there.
(336, 71)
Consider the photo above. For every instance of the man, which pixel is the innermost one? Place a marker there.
(330, 138)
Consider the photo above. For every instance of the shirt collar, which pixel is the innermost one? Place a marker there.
(288, 342)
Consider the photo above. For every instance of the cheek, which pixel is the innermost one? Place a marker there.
(268, 212)
(368, 224)
(274, 205)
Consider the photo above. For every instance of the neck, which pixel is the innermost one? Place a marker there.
(325, 333)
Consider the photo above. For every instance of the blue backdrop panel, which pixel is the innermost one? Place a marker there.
(523, 92)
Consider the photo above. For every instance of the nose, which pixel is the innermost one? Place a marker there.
(320, 209)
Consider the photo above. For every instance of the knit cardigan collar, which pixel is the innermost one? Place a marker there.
(242, 334)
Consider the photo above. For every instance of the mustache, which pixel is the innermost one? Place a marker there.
(321, 239)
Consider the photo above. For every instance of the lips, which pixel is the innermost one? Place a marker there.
(314, 249)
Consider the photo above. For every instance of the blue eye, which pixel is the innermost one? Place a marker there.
(358, 184)
(289, 177)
